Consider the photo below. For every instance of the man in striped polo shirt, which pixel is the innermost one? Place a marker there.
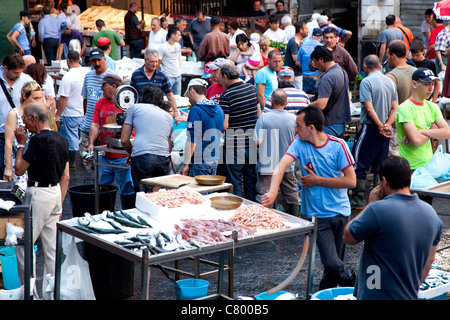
(327, 172)
(296, 99)
(240, 104)
(91, 93)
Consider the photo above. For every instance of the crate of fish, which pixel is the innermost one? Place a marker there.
(169, 203)
(435, 286)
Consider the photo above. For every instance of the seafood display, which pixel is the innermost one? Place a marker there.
(175, 198)
(257, 216)
(203, 231)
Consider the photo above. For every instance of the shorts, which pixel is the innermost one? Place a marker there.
(254, 63)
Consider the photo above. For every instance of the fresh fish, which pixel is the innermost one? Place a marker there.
(130, 216)
(124, 221)
(83, 221)
(160, 240)
(171, 246)
(194, 243)
(144, 222)
(123, 242)
(102, 226)
(84, 229)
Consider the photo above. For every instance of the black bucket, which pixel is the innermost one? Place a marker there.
(83, 198)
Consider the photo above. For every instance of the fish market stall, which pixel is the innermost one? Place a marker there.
(176, 224)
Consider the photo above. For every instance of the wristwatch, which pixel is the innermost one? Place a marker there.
(20, 146)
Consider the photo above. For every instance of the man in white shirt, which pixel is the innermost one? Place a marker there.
(157, 36)
(169, 55)
(70, 106)
(274, 32)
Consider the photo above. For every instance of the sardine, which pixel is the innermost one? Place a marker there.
(130, 217)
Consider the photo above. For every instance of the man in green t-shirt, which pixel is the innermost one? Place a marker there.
(419, 120)
(116, 40)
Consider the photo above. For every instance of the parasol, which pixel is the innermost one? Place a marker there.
(442, 9)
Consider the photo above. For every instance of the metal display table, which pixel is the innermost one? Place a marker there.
(441, 190)
(298, 227)
(27, 242)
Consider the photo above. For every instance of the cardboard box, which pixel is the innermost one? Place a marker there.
(16, 219)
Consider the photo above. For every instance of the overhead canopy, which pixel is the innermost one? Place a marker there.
(442, 9)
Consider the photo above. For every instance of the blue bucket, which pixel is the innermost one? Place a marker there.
(274, 296)
(331, 294)
(9, 267)
(190, 289)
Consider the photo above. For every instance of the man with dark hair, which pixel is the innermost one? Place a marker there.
(19, 37)
(327, 171)
(46, 161)
(292, 48)
(438, 26)
(379, 104)
(181, 24)
(169, 55)
(274, 32)
(12, 80)
(200, 26)
(389, 34)
(68, 35)
(392, 267)
(427, 26)
(204, 130)
(215, 44)
(113, 36)
(240, 104)
(49, 35)
(133, 31)
(256, 9)
(333, 97)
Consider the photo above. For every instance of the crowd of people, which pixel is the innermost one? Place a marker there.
(267, 119)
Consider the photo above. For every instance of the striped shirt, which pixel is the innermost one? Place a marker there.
(139, 80)
(297, 100)
(239, 101)
(92, 92)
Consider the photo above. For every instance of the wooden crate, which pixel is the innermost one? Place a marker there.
(16, 219)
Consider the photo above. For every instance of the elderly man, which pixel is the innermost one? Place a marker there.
(215, 90)
(157, 36)
(105, 113)
(91, 93)
(215, 44)
(181, 24)
(266, 78)
(327, 172)
(150, 74)
(46, 161)
(296, 99)
(240, 105)
(274, 132)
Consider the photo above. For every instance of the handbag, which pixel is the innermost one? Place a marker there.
(8, 96)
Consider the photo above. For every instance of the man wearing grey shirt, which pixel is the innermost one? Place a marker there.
(153, 128)
(389, 34)
(274, 131)
(378, 96)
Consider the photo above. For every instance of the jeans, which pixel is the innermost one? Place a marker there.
(50, 47)
(176, 84)
(2, 154)
(202, 169)
(136, 46)
(309, 85)
(241, 173)
(336, 130)
(148, 166)
(122, 176)
(69, 129)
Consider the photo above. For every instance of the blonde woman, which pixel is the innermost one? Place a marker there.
(31, 92)
(264, 44)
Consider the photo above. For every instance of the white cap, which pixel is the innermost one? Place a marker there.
(254, 38)
(196, 82)
(322, 19)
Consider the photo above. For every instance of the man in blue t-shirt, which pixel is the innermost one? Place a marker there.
(204, 127)
(400, 234)
(327, 172)
(304, 56)
(266, 79)
(19, 36)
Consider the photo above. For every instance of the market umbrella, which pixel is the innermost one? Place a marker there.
(442, 9)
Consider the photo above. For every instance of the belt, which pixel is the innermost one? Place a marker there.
(32, 183)
(314, 77)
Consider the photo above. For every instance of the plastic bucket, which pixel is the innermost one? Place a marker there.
(8, 261)
(274, 296)
(331, 294)
(190, 289)
(83, 198)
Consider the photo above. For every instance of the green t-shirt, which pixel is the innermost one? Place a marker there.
(111, 35)
(422, 116)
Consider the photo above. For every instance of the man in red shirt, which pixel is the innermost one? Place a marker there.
(105, 113)
(216, 89)
(438, 25)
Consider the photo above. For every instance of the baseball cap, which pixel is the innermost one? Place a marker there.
(322, 19)
(64, 26)
(96, 54)
(207, 73)
(218, 63)
(317, 32)
(111, 79)
(286, 72)
(424, 75)
(196, 82)
(254, 38)
(103, 41)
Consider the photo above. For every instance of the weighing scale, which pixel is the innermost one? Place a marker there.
(124, 97)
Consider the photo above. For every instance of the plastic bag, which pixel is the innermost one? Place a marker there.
(192, 58)
(12, 234)
(76, 281)
(439, 163)
(421, 179)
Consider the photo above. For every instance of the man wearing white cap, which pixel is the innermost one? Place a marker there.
(204, 129)
(216, 89)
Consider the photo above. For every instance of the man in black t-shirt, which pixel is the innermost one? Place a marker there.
(47, 162)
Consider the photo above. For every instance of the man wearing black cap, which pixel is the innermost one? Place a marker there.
(415, 118)
(105, 113)
(215, 44)
(91, 93)
(19, 37)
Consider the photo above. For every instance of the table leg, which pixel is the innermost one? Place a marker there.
(312, 256)
(96, 187)
(145, 275)
(58, 262)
